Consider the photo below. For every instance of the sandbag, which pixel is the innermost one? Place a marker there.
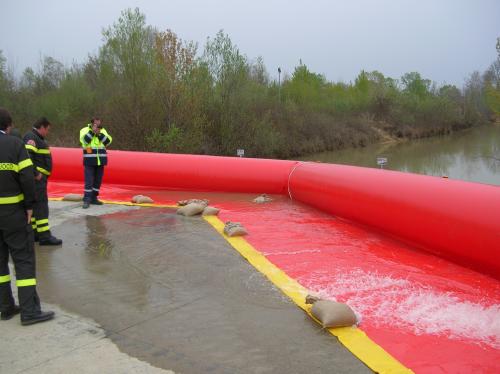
(264, 198)
(312, 298)
(210, 211)
(234, 229)
(333, 314)
(190, 201)
(141, 199)
(191, 209)
(73, 197)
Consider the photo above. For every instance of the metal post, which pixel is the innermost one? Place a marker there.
(279, 84)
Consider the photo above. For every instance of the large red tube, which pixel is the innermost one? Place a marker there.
(453, 219)
(180, 172)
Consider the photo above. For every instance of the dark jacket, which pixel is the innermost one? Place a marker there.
(39, 152)
(17, 184)
(94, 146)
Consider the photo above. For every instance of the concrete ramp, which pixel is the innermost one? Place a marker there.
(169, 291)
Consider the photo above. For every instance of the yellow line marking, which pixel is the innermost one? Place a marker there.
(353, 338)
(137, 204)
(120, 203)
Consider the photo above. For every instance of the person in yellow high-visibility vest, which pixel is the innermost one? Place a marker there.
(94, 139)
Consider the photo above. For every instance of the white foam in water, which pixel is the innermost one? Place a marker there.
(401, 303)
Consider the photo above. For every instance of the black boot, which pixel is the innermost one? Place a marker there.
(10, 313)
(51, 240)
(36, 318)
(94, 200)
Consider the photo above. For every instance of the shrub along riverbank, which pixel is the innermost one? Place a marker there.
(157, 92)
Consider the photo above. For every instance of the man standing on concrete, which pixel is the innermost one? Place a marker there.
(94, 139)
(17, 194)
(39, 152)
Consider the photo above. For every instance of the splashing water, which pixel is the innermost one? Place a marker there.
(386, 301)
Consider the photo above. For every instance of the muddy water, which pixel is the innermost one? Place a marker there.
(170, 291)
(471, 155)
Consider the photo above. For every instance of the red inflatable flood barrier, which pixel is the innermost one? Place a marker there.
(180, 172)
(453, 219)
(456, 220)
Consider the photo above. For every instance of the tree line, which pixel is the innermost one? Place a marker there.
(160, 93)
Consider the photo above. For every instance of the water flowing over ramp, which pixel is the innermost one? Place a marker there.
(372, 244)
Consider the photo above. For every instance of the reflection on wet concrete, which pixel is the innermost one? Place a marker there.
(170, 291)
(97, 242)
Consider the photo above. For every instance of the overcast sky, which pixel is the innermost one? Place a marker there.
(444, 40)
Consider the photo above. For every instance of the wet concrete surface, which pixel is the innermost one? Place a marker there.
(170, 291)
(68, 344)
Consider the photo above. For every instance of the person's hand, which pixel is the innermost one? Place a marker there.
(29, 213)
(38, 177)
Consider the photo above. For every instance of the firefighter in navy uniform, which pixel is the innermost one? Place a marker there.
(39, 153)
(94, 139)
(17, 194)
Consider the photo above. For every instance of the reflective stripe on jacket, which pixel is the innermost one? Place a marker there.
(17, 184)
(94, 146)
(39, 152)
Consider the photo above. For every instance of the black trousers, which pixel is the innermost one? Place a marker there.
(93, 181)
(40, 219)
(16, 238)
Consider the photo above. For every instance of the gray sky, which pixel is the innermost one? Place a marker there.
(444, 40)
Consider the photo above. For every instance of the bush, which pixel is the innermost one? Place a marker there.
(156, 89)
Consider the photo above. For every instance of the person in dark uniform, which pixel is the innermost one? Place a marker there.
(16, 133)
(17, 195)
(39, 152)
(94, 139)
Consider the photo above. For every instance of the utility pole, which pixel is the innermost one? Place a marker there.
(279, 84)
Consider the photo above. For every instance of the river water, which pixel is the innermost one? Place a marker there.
(471, 155)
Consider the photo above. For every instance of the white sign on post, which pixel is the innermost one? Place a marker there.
(381, 161)
(240, 152)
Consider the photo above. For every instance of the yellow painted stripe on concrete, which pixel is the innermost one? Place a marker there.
(353, 338)
(122, 203)
(136, 204)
